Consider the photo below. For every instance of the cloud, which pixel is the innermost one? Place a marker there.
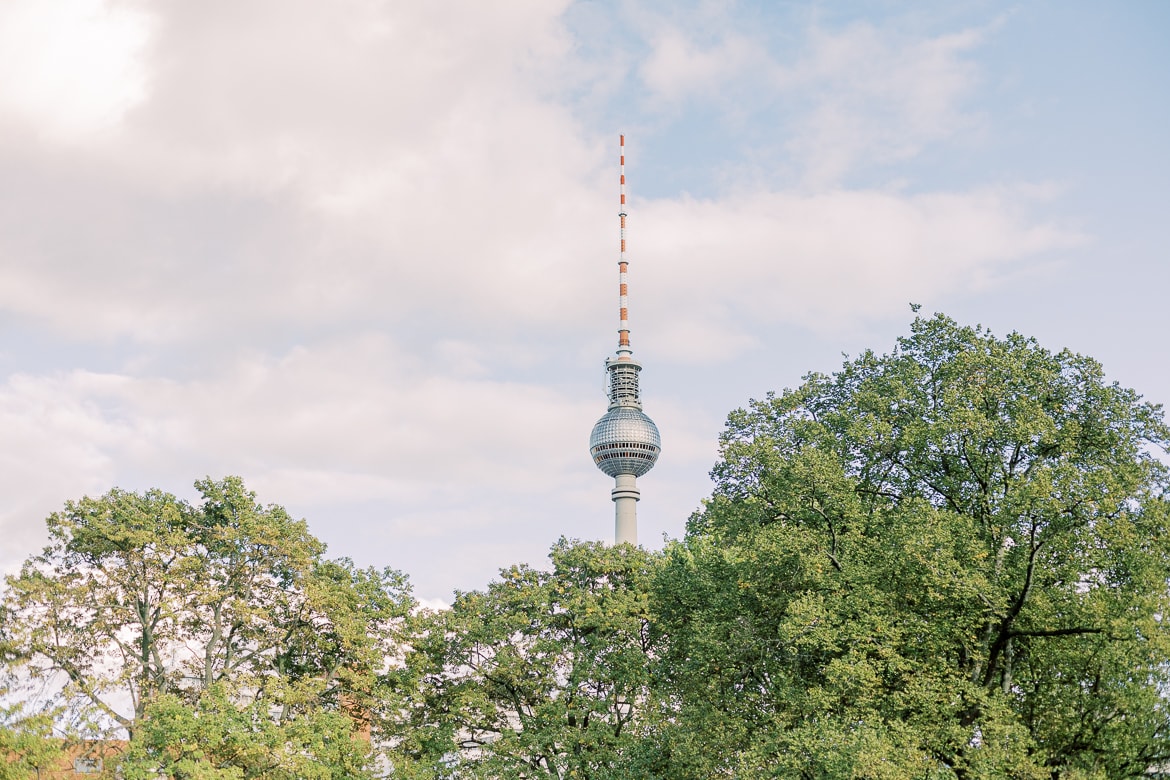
(294, 163)
(392, 459)
(825, 262)
(878, 97)
(284, 173)
(58, 444)
(362, 253)
(347, 422)
(73, 66)
(679, 68)
(841, 98)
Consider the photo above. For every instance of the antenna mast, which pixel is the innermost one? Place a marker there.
(623, 263)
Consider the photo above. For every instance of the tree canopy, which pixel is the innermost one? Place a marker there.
(543, 674)
(947, 561)
(143, 601)
(27, 743)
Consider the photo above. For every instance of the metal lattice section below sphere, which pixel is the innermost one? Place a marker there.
(625, 441)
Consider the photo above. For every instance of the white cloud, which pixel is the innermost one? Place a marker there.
(58, 444)
(856, 95)
(353, 434)
(348, 422)
(678, 68)
(343, 250)
(296, 165)
(72, 67)
(301, 162)
(825, 262)
(878, 97)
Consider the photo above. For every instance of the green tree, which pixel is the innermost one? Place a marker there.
(27, 743)
(142, 600)
(544, 674)
(224, 737)
(950, 561)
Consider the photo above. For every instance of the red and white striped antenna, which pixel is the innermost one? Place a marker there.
(623, 263)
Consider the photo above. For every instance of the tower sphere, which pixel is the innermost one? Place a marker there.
(625, 441)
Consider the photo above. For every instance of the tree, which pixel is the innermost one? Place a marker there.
(142, 600)
(950, 561)
(222, 737)
(27, 744)
(544, 674)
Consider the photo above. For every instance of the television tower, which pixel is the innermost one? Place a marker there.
(625, 442)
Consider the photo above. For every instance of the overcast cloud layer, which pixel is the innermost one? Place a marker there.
(362, 253)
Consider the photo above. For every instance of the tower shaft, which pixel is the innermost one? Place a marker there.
(625, 496)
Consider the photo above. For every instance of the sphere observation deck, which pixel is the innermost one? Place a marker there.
(625, 441)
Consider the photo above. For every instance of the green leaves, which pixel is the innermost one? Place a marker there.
(224, 738)
(542, 674)
(27, 743)
(947, 561)
(195, 627)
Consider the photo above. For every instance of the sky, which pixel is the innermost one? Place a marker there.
(363, 254)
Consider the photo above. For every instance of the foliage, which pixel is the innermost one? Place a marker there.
(27, 743)
(945, 562)
(142, 602)
(542, 675)
(222, 738)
